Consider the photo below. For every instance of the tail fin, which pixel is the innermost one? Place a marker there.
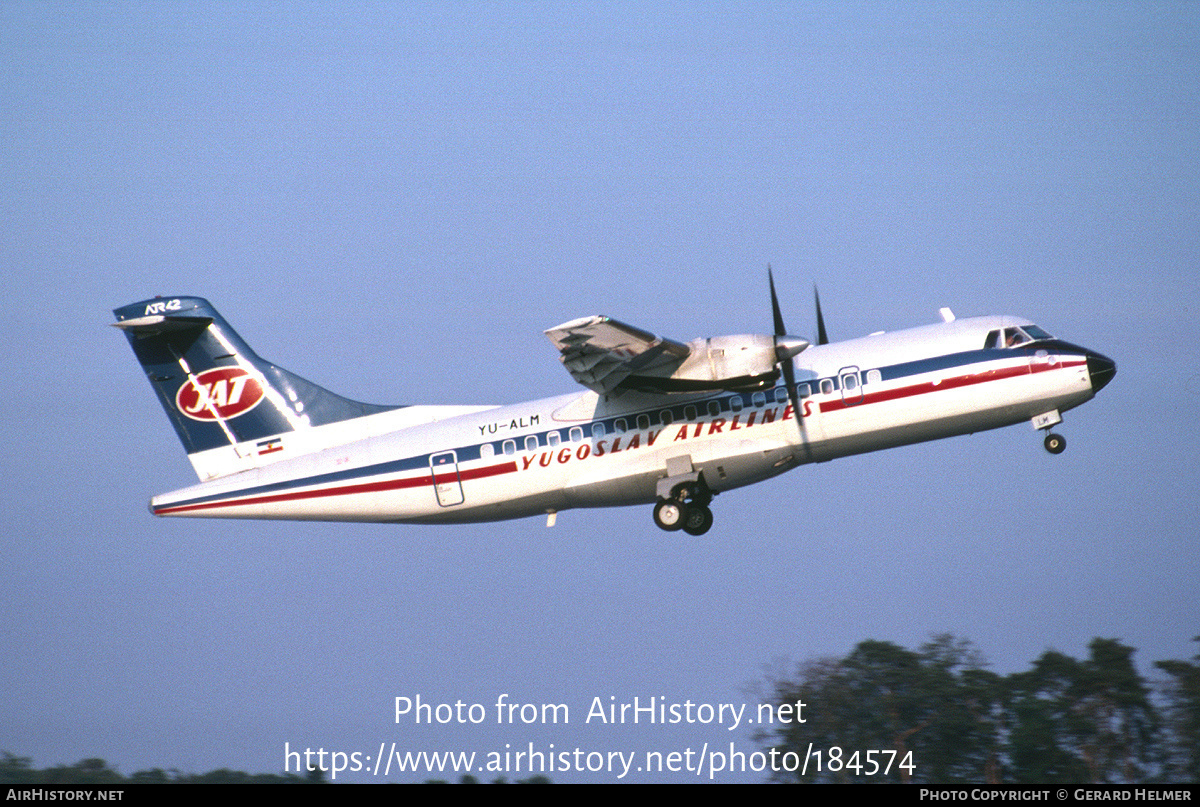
(229, 407)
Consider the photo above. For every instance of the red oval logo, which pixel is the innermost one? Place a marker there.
(222, 392)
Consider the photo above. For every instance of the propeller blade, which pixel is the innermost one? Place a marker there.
(789, 378)
(785, 347)
(822, 337)
(780, 330)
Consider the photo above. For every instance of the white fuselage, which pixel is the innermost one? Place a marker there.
(582, 450)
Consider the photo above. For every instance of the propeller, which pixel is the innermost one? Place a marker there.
(785, 347)
(822, 337)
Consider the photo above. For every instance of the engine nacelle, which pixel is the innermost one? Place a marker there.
(729, 358)
(610, 357)
(736, 362)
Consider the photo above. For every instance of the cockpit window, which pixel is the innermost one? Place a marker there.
(1011, 337)
(993, 340)
(1014, 337)
(1036, 332)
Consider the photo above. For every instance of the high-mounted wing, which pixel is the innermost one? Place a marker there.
(601, 353)
(611, 357)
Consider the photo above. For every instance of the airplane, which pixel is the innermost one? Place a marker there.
(664, 423)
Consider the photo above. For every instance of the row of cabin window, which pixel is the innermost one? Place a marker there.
(665, 417)
(643, 422)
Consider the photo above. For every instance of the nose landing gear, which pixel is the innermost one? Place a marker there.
(1055, 443)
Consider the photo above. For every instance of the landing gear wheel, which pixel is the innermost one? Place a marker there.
(669, 514)
(697, 520)
(1055, 443)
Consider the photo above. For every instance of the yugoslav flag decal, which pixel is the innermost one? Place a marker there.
(223, 392)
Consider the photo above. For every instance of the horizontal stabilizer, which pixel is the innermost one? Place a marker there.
(159, 323)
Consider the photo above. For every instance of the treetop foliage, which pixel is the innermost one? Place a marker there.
(1064, 720)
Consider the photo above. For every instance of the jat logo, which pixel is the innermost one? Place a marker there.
(223, 392)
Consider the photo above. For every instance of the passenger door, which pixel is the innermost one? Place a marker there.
(447, 484)
(850, 380)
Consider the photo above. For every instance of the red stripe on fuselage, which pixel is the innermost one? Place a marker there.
(344, 490)
(954, 382)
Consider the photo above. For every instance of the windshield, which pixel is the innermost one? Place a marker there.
(1011, 337)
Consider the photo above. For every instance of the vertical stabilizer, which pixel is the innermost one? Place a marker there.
(230, 408)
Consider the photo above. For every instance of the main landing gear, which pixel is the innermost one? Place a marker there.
(686, 509)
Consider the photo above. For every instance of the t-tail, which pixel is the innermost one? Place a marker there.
(231, 409)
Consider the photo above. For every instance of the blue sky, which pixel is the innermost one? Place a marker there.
(396, 200)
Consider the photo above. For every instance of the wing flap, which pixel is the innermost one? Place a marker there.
(601, 352)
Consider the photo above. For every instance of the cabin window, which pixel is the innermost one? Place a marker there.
(689, 413)
(874, 377)
(850, 382)
(643, 422)
(597, 431)
(486, 450)
(619, 426)
(531, 443)
(666, 418)
(510, 447)
(576, 434)
(735, 403)
(826, 386)
(781, 395)
(803, 390)
(714, 408)
(759, 399)
(553, 439)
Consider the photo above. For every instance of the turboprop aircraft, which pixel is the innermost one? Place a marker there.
(662, 422)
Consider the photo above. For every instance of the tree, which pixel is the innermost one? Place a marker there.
(15, 770)
(1084, 721)
(935, 707)
(1062, 721)
(1044, 730)
(1181, 692)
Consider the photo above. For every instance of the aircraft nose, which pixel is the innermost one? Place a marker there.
(1101, 369)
